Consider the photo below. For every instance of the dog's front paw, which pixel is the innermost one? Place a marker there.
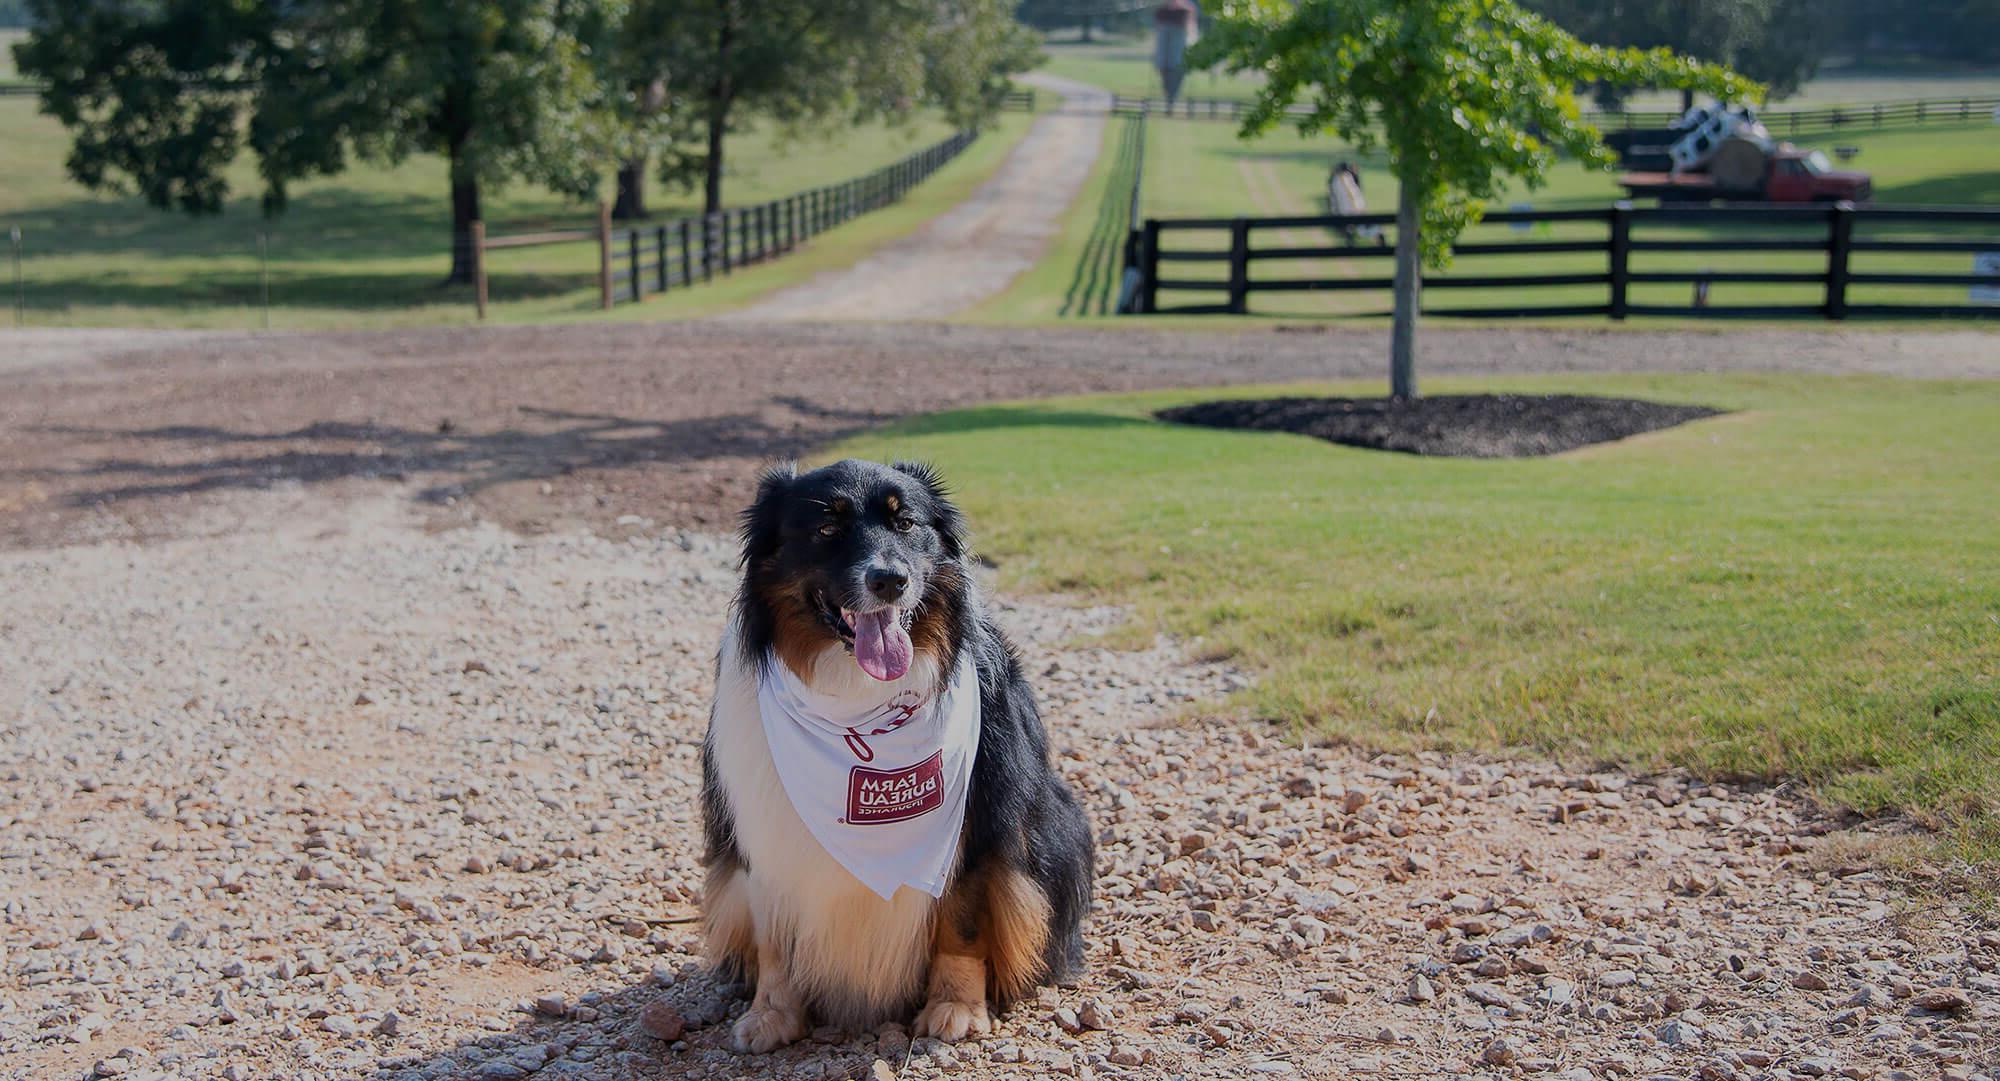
(764, 1028)
(953, 1021)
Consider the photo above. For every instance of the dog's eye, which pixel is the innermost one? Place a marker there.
(904, 524)
(830, 530)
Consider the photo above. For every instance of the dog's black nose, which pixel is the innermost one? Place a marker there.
(887, 584)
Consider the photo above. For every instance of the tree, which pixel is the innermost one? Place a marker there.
(807, 63)
(1461, 93)
(1777, 42)
(165, 94)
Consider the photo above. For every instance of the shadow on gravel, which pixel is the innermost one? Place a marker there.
(451, 463)
(600, 1037)
(595, 1038)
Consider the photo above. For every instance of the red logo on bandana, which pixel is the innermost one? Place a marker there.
(879, 796)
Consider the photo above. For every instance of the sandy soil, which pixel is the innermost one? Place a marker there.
(975, 249)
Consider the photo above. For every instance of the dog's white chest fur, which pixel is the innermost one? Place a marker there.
(847, 948)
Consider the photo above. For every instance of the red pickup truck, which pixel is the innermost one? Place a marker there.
(1789, 175)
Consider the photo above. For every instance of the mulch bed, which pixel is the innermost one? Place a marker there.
(1453, 426)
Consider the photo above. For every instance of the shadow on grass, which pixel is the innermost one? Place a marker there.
(997, 418)
(330, 223)
(450, 463)
(240, 287)
(1961, 189)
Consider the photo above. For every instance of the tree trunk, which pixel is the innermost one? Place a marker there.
(711, 185)
(721, 95)
(1086, 28)
(464, 211)
(631, 190)
(1409, 287)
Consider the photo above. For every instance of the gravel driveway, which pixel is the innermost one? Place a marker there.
(975, 249)
(299, 781)
(329, 794)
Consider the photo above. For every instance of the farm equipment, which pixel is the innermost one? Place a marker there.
(1723, 152)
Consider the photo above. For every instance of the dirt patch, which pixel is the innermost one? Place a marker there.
(614, 427)
(1450, 425)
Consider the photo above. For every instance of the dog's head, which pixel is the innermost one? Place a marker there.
(856, 553)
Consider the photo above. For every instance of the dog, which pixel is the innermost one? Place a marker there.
(856, 602)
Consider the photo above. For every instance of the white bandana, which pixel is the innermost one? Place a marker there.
(882, 784)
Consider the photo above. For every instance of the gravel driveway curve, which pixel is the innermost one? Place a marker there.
(328, 794)
(975, 249)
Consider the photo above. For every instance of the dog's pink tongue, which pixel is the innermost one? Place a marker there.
(881, 645)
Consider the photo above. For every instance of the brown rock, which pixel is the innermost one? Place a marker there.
(663, 1022)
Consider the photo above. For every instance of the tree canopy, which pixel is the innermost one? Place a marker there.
(161, 97)
(809, 63)
(1461, 94)
(1777, 42)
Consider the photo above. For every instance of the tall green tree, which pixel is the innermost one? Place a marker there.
(809, 64)
(160, 96)
(1462, 94)
(1777, 42)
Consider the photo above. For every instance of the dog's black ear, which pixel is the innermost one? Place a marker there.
(765, 514)
(945, 515)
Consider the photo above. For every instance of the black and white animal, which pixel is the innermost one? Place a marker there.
(855, 580)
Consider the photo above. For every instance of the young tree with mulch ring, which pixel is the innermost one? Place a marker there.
(1463, 94)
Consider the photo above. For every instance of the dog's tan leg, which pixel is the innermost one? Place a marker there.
(955, 1001)
(777, 1015)
(955, 996)
(727, 931)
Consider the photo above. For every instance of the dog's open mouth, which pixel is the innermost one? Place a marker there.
(880, 639)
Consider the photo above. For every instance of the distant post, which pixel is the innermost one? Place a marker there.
(20, 291)
(479, 266)
(604, 255)
(264, 272)
(1176, 25)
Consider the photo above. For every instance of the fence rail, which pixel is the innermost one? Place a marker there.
(1171, 258)
(1779, 121)
(637, 261)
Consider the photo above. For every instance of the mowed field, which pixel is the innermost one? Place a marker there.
(1124, 65)
(1801, 590)
(371, 247)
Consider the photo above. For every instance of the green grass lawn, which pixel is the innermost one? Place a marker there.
(1804, 589)
(370, 247)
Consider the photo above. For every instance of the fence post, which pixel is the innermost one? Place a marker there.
(1840, 240)
(660, 253)
(1149, 268)
(264, 272)
(729, 258)
(1621, 256)
(687, 253)
(1239, 266)
(479, 266)
(604, 299)
(20, 288)
(632, 262)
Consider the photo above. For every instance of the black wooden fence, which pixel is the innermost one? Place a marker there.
(1169, 253)
(1779, 121)
(656, 258)
(637, 261)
